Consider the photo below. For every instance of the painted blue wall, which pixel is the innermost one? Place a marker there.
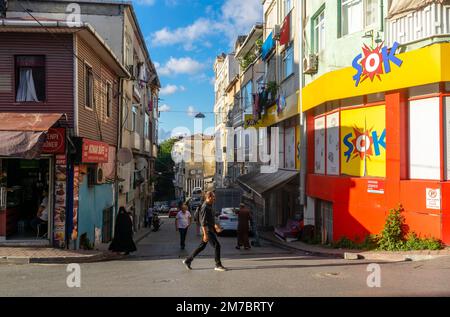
(92, 202)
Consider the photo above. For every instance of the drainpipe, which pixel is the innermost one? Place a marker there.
(303, 137)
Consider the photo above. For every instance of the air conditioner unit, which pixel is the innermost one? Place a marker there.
(276, 32)
(99, 176)
(311, 64)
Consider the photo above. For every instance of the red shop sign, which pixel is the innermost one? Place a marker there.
(375, 187)
(55, 142)
(94, 152)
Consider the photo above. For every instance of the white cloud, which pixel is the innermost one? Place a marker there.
(164, 108)
(144, 2)
(171, 89)
(236, 17)
(185, 36)
(191, 112)
(172, 3)
(175, 66)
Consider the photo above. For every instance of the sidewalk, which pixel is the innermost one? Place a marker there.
(395, 256)
(27, 255)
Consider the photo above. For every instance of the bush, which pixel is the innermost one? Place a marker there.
(393, 238)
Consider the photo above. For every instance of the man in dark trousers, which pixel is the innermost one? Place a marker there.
(209, 229)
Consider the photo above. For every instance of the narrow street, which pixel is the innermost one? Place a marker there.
(156, 270)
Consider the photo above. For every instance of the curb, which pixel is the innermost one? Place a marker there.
(360, 255)
(101, 257)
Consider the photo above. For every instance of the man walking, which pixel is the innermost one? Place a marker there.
(149, 217)
(209, 229)
(182, 223)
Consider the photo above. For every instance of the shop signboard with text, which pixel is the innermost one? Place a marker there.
(94, 152)
(55, 142)
(363, 142)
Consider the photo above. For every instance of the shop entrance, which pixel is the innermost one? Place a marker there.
(25, 203)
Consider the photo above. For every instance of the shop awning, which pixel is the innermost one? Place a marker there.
(261, 183)
(23, 134)
(399, 8)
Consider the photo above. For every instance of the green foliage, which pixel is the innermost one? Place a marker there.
(413, 242)
(248, 59)
(164, 165)
(392, 234)
(369, 243)
(393, 237)
(272, 88)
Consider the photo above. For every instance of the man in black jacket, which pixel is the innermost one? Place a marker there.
(3, 8)
(209, 230)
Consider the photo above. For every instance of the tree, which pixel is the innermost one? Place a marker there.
(164, 189)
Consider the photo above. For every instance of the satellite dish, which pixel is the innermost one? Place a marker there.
(124, 156)
(141, 163)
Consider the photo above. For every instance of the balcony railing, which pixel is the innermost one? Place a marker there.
(431, 21)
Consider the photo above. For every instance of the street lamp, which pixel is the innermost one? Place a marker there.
(200, 116)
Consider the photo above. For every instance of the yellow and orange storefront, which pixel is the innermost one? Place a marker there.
(379, 144)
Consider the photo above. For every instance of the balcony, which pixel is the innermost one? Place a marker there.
(135, 141)
(421, 24)
(147, 147)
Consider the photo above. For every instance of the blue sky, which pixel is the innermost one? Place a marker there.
(183, 38)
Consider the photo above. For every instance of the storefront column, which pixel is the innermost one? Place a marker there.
(394, 104)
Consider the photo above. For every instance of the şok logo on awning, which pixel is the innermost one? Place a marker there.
(375, 62)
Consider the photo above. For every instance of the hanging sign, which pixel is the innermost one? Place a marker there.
(375, 62)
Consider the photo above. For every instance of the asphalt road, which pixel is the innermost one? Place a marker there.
(268, 271)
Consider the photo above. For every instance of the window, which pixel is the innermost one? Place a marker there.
(89, 87)
(288, 61)
(371, 13)
(288, 5)
(359, 14)
(146, 126)
(352, 16)
(30, 78)
(447, 136)
(319, 31)
(133, 118)
(424, 139)
(247, 98)
(108, 100)
(281, 147)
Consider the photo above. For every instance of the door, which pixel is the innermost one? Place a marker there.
(324, 221)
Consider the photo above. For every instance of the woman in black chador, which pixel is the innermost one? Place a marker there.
(123, 234)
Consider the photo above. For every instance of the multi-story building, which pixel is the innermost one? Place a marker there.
(376, 105)
(225, 69)
(275, 105)
(189, 172)
(117, 23)
(59, 104)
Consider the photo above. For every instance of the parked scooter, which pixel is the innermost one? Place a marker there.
(156, 222)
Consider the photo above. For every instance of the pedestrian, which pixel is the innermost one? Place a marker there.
(123, 233)
(209, 229)
(244, 218)
(183, 221)
(149, 217)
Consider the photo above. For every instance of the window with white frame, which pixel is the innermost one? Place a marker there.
(288, 61)
(146, 126)
(247, 98)
(134, 111)
(447, 136)
(371, 13)
(424, 139)
(281, 147)
(319, 31)
(288, 5)
(359, 14)
(352, 16)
